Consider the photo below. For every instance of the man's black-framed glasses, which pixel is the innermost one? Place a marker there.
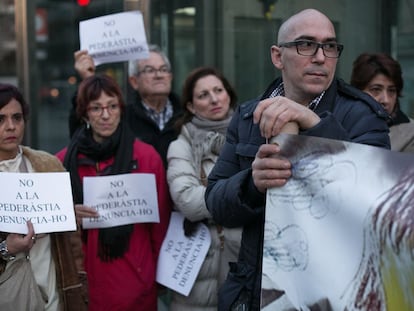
(151, 71)
(310, 48)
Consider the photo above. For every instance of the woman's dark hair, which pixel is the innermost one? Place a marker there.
(7, 93)
(91, 88)
(188, 91)
(367, 66)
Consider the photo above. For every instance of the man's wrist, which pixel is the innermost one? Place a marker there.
(252, 196)
(4, 252)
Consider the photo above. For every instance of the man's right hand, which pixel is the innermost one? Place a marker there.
(84, 64)
(272, 114)
(269, 169)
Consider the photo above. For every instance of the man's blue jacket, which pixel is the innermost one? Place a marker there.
(346, 114)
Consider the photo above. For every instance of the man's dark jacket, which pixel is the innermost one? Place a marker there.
(346, 114)
(147, 130)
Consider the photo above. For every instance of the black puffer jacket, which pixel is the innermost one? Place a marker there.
(147, 130)
(346, 114)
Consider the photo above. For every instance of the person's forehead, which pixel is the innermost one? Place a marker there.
(209, 81)
(313, 32)
(312, 26)
(381, 79)
(105, 95)
(154, 60)
(13, 106)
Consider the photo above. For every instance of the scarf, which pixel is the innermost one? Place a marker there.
(206, 138)
(114, 241)
(213, 126)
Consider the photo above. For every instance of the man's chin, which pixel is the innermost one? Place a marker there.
(317, 86)
(161, 93)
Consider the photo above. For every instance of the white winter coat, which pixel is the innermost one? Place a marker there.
(193, 150)
(402, 137)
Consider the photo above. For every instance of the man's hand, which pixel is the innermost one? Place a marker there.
(84, 64)
(270, 170)
(273, 114)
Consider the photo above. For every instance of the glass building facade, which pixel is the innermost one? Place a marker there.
(40, 36)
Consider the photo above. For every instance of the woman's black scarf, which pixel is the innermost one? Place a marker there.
(114, 241)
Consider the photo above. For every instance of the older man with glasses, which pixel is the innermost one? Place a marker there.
(307, 95)
(152, 107)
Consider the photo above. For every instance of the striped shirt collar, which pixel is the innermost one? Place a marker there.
(160, 118)
(280, 91)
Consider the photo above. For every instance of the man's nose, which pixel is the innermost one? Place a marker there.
(319, 55)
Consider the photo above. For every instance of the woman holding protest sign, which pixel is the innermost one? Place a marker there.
(120, 261)
(37, 272)
(208, 101)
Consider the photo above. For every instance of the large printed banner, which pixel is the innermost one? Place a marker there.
(114, 37)
(341, 231)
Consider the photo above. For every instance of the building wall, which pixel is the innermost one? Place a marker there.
(234, 35)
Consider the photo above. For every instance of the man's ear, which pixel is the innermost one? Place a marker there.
(133, 81)
(276, 55)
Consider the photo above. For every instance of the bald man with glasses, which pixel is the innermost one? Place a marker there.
(306, 95)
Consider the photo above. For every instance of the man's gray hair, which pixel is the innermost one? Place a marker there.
(133, 65)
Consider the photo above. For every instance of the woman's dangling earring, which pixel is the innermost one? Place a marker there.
(88, 125)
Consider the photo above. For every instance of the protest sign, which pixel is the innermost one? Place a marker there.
(114, 38)
(341, 230)
(121, 199)
(43, 198)
(181, 257)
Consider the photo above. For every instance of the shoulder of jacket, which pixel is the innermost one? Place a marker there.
(42, 161)
(142, 146)
(349, 91)
(184, 138)
(406, 127)
(142, 150)
(175, 101)
(186, 133)
(32, 153)
(181, 144)
(247, 108)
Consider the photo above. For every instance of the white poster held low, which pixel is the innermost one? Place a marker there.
(181, 257)
(43, 198)
(121, 200)
(114, 38)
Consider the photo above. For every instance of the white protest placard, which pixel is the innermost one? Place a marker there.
(43, 198)
(114, 38)
(181, 257)
(121, 199)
